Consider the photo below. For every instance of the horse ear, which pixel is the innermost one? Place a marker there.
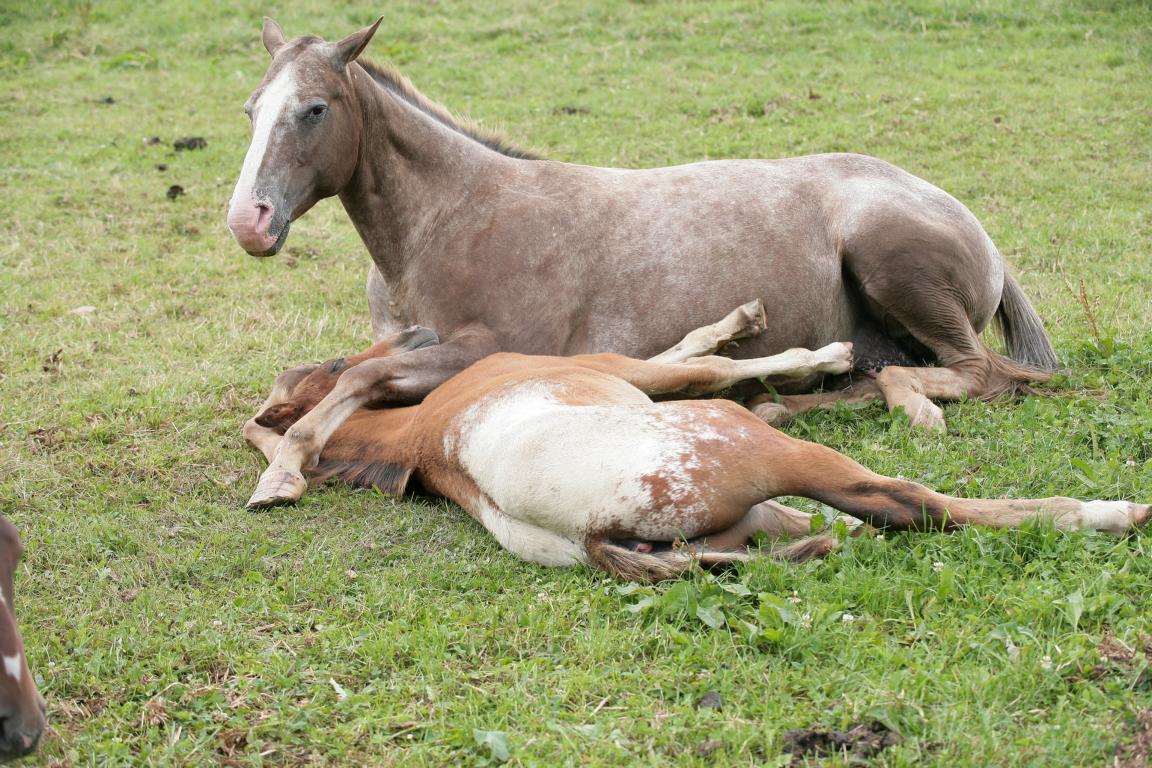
(348, 49)
(279, 416)
(272, 36)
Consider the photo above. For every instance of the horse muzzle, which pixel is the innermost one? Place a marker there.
(258, 226)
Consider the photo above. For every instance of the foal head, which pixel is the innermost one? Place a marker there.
(306, 135)
(22, 708)
(313, 387)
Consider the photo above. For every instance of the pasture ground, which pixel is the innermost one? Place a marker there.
(167, 626)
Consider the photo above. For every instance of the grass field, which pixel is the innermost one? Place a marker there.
(168, 626)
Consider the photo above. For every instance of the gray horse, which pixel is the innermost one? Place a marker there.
(499, 250)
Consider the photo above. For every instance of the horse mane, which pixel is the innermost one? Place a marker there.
(396, 83)
(387, 477)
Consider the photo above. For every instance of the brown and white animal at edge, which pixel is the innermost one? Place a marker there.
(23, 712)
(567, 460)
(501, 251)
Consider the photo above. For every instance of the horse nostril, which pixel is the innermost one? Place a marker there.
(263, 218)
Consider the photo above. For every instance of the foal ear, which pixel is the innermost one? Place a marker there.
(279, 416)
(272, 36)
(348, 49)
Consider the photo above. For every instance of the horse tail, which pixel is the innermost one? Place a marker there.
(629, 565)
(1024, 333)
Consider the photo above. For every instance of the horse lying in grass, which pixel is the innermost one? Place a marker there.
(23, 713)
(567, 460)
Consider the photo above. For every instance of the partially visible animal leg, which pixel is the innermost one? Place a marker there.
(744, 321)
(911, 388)
(653, 561)
(381, 307)
(703, 375)
(806, 469)
(926, 282)
(777, 411)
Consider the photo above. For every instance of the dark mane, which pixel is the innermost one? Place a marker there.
(399, 85)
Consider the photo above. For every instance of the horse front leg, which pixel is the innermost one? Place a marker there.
(741, 323)
(705, 375)
(401, 379)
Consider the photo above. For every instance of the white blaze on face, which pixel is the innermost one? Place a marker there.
(278, 96)
(13, 667)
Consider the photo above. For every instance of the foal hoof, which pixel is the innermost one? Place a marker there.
(834, 358)
(1139, 515)
(929, 416)
(276, 488)
(755, 319)
(774, 414)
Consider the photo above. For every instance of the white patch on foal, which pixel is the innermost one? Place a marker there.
(554, 471)
(278, 96)
(12, 667)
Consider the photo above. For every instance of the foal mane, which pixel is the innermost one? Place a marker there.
(390, 78)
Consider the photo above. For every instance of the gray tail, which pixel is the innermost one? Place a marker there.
(1022, 329)
(629, 565)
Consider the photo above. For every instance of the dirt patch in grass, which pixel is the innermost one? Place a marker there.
(856, 744)
(1136, 751)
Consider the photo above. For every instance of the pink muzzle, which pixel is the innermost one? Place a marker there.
(250, 221)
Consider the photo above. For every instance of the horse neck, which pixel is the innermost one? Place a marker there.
(377, 435)
(413, 172)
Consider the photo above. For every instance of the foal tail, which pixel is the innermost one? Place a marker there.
(1022, 329)
(629, 565)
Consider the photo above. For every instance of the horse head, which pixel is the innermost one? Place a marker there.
(306, 136)
(23, 713)
(312, 388)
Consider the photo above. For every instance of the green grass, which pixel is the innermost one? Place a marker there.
(168, 626)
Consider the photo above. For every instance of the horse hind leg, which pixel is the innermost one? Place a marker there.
(934, 287)
(634, 560)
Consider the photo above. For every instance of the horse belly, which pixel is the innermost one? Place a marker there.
(651, 472)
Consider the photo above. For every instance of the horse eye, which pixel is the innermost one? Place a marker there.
(316, 113)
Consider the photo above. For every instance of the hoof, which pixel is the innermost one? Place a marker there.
(278, 487)
(754, 317)
(929, 416)
(834, 358)
(1139, 515)
(774, 414)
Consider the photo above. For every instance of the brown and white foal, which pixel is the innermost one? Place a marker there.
(567, 460)
(22, 708)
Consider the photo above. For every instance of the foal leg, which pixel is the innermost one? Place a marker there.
(703, 375)
(405, 378)
(744, 321)
(777, 411)
(807, 469)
